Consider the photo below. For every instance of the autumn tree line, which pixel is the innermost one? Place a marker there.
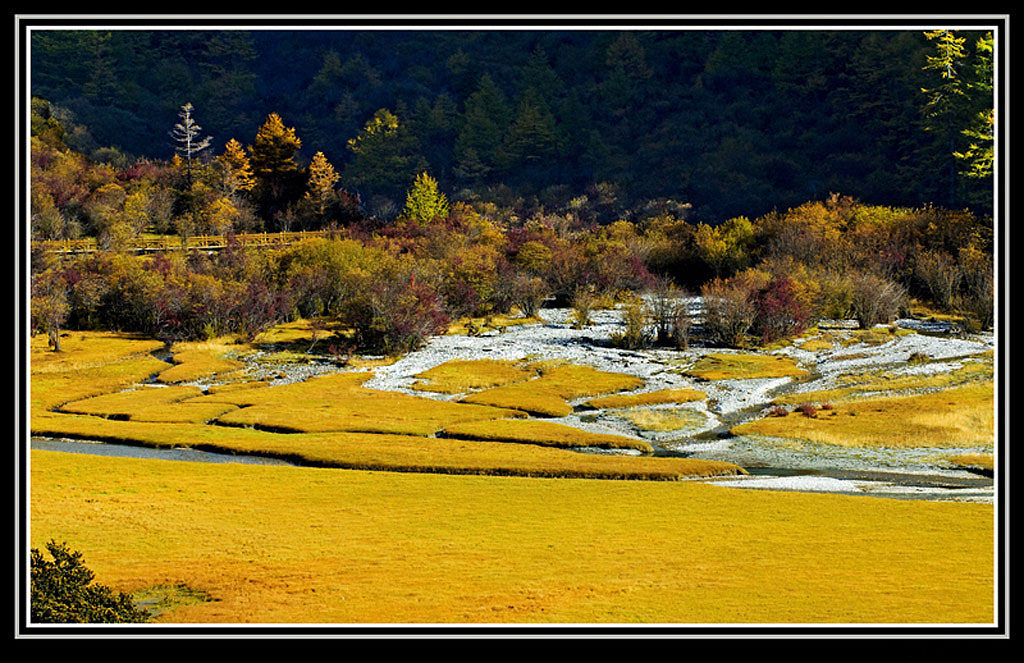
(395, 283)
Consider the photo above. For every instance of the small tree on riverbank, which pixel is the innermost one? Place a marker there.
(50, 305)
(876, 300)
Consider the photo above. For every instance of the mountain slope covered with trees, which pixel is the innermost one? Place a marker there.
(600, 122)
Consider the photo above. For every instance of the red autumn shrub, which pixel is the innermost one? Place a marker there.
(396, 314)
(807, 409)
(779, 314)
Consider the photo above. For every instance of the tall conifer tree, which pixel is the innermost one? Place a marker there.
(273, 158)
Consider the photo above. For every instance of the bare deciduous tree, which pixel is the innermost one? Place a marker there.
(186, 134)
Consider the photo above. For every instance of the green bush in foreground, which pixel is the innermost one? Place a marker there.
(62, 593)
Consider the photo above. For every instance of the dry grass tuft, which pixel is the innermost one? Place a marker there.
(660, 397)
(973, 461)
(486, 324)
(743, 367)
(663, 420)
(817, 344)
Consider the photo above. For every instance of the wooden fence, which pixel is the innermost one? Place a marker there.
(174, 243)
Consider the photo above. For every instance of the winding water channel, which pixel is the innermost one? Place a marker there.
(132, 451)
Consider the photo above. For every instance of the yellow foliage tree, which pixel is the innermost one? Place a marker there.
(238, 175)
(220, 216)
(272, 155)
(533, 257)
(424, 202)
(322, 178)
(273, 150)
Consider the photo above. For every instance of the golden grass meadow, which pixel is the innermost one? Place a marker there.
(471, 511)
(302, 545)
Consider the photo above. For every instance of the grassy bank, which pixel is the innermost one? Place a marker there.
(527, 453)
(548, 395)
(952, 417)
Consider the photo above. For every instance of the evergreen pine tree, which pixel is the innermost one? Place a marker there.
(532, 137)
(947, 100)
(384, 159)
(485, 122)
(978, 157)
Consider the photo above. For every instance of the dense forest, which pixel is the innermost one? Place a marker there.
(786, 176)
(602, 123)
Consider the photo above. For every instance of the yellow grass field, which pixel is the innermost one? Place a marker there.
(338, 403)
(548, 395)
(859, 384)
(147, 403)
(297, 545)
(542, 432)
(330, 420)
(195, 363)
(91, 364)
(396, 526)
(400, 453)
(460, 376)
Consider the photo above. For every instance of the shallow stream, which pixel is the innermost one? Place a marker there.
(130, 451)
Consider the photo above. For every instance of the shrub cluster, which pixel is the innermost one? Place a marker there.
(169, 297)
(63, 592)
(393, 286)
(841, 259)
(807, 409)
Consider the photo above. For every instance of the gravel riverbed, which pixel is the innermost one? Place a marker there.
(730, 401)
(774, 464)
